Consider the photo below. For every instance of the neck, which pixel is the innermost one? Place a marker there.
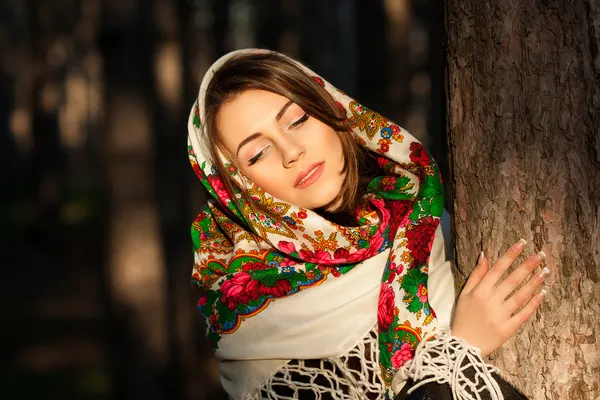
(368, 172)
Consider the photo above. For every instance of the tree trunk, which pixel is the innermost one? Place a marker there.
(523, 89)
(136, 264)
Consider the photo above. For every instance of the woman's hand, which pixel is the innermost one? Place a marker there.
(485, 316)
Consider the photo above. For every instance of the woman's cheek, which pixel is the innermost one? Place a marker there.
(271, 182)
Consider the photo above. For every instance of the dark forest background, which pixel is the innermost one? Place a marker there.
(96, 193)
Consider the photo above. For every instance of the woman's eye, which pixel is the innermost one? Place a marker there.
(299, 122)
(257, 157)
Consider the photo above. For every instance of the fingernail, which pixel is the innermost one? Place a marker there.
(542, 293)
(520, 245)
(480, 259)
(542, 275)
(541, 256)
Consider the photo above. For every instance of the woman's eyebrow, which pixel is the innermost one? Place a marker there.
(283, 109)
(258, 134)
(247, 140)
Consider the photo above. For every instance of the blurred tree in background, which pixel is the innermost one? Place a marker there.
(97, 196)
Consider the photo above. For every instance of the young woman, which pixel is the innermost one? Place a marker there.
(320, 258)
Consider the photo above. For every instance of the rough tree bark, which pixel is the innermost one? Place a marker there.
(523, 91)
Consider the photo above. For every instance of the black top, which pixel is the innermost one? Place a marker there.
(436, 391)
(429, 391)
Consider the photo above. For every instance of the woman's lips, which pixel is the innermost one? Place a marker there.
(314, 173)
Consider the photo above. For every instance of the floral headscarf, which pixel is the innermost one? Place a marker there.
(248, 257)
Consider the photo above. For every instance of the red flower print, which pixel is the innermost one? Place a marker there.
(239, 290)
(302, 215)
(202, 301)
(251, 266)
(418, 154)
(363, 253)
(341, 254)
(287, 263)
(213, 320)
(281, 288)
(319, 80)
(399, 210)
(358, 255)
(394, 269)
(330, 269)
(385, 310)
(252, 291)
(422, 293)
(384, 147)
(287, 247)
(402, 355)
(197, 122)
(381, 206)
(382, 162)
(218, 186)
(388, 180)
(197, 170)
(306, 254)
(420, 239)
(375, 244)
(390, 278)
(318, 257)
(399, 269)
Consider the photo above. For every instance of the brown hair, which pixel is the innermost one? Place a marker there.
(275, 73)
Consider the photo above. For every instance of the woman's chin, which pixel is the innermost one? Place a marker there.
(322, 197)
(329, 204)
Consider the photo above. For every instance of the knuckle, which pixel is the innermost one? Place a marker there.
(527, 290)
(515, 278)
(526, 267)
(534, 282)
(477, 274)
(521, 317)
(529, 310)
(518, 299)
(527, 315)
(531, 264)
(512, 254)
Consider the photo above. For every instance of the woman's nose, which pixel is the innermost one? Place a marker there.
(291, 153)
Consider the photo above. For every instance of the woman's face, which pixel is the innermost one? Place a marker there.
(289, 154)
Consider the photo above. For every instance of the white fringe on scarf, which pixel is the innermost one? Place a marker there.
(353, 376)
(444, 360)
